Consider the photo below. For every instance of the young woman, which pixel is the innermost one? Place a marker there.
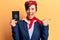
(31, 28)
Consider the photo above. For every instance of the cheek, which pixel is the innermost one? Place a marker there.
(33, 11)
(27, 11)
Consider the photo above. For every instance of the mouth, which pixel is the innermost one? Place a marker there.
(30, 14)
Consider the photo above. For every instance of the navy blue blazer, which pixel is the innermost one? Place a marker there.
(20, 31)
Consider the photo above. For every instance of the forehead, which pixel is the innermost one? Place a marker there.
(32, 6)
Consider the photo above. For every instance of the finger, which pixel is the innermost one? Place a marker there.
(43, 19)
(49, 19)
(46, 19)
(13, 19)
(16, 21)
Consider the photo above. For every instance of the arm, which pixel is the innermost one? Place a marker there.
(44, 32)
(15, 32)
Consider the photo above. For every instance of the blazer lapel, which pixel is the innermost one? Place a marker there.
(25, 30)
(34, 31)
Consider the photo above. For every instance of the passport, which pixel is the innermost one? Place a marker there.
(15, 15)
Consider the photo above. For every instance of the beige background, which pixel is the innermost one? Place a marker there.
(46, 9)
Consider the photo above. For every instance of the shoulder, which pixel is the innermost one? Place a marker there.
(21, 22)
(38, 22)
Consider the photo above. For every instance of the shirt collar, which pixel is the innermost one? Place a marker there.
(25, 19)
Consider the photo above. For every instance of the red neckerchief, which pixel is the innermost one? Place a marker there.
(32, 20)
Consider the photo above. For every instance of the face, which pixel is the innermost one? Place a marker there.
(31, 11)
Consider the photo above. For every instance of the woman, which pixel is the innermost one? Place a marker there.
(31, 28)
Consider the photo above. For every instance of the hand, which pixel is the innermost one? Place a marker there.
(46, 21)
(13, 22)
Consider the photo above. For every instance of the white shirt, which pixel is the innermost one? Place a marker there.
(30, 31)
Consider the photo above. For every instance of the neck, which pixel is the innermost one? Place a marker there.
(30, 18)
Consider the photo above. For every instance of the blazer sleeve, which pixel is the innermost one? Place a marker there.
(15, 32)
(44, 32)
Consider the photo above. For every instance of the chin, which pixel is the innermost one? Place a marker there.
(30, 16)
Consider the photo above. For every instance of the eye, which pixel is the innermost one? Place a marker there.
(32, 8)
